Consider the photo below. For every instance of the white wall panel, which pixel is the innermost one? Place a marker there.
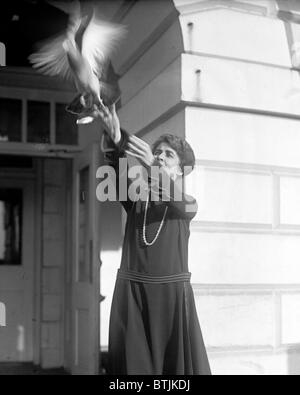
(290, 200)
(246, 138)
(236, 320)
(231, 196)
(290, 305)
(235, 258)
(240, 84)
(237, 34)
(256, 363)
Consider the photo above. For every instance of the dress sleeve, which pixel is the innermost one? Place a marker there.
(112, 153)
(173, 193)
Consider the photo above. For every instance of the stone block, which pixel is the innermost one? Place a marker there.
(241, 84)
(290, 200)
(225, 195)
(215, 32)
(245, 138)
(236, 320)
(290, 318)
(233, 363)
(243, 258)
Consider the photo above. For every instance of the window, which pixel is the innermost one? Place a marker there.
(38, 122)
(10, 120)
(66, 127)
(10, 226)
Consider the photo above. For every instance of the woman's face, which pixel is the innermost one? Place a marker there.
(168, 158)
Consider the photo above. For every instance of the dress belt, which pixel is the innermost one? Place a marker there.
(148, 278)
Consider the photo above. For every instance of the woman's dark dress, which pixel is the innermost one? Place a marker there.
(154, 327)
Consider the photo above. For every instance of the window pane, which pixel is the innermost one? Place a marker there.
(38, 122)
(10, 120)
(66, 127)
(10, 226)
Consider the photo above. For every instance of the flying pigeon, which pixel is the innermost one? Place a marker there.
(82, 56)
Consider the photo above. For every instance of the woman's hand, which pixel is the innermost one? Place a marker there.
(110, 121)
(140, 150)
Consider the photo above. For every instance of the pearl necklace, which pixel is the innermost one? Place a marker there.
(144, 225)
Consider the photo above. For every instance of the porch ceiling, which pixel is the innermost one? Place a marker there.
(25, 22)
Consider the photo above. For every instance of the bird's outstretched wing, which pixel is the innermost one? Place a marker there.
(51, 57)
(100, 39)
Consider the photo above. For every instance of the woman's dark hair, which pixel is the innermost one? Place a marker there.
(182, 147)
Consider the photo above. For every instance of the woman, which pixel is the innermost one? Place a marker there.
(154, 327)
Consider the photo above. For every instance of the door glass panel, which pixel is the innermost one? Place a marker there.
(38, 125)
(10, 120)
(10, 226)
(83, 237)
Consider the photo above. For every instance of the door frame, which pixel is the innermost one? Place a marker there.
(90, 156)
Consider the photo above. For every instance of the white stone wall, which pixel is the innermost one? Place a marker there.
(242, 119)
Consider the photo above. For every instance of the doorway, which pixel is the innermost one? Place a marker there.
(17, 235)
